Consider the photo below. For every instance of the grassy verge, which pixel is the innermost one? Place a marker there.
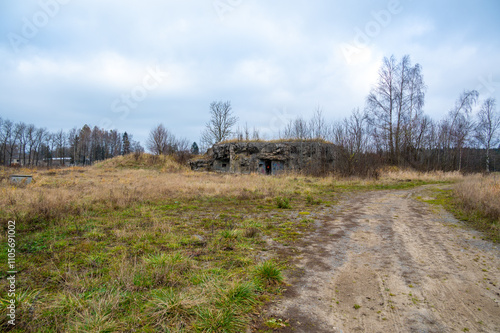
(476, 201)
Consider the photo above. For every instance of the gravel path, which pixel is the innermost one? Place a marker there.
(385, 262)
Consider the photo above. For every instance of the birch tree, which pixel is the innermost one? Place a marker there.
(487, 131)
(219, 127)
(394, 103)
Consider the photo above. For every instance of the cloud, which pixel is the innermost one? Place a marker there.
(264, 56)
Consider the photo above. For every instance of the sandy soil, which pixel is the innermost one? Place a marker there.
(386, 262)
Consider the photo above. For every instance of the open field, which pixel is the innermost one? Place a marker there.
(143, 244)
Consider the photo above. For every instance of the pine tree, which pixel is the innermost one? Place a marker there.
(194, 149)
(126, 144)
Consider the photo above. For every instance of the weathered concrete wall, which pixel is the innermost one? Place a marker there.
(267, 157)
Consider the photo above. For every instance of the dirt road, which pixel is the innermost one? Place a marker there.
(386, 262)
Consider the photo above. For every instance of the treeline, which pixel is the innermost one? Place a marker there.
(393, 129)
(27, 145)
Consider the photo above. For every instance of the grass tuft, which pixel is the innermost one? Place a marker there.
(242, 294)
(169, 308)
(219, 320)
(268, 274)
(310, 200)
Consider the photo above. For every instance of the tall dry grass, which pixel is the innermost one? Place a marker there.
(125, 180)
(412, 175)
(480, 193)
(54, 194)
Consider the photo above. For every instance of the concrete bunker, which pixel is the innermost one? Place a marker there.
(267, 158)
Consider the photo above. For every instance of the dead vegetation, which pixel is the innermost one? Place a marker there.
(478, 198)
(481, 193)
(392, 173)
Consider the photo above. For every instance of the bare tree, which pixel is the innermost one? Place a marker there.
(413, 125)
(461, 123)
(12, 141)
(317, 125)
(247, 132)
(136, 147)
(115, 143)
(40, 135)
(160, 140)
(7, 129)
(351, 138)
(60, 142)
(255, 134)
(394, 102)
(73, 141)
(298, 129)
(381, 103)
(48, 148)
(84, 148)
(84, 145)
(238, 134)
(221, 121)
(183, 145)
(488, 128)
(356, 131)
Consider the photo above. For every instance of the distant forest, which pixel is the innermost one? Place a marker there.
(26, 145)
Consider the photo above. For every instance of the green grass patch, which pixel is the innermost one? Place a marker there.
(268, 273)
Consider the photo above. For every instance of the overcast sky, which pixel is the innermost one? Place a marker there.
(132, 64)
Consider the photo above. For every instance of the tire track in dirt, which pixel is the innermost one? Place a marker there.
(384, 262)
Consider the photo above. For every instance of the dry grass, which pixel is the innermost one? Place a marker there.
(74, 191)
(163, 163)
(140, 243)
(394, 173)
(121, 182)
(480, 195)
(116, 247)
